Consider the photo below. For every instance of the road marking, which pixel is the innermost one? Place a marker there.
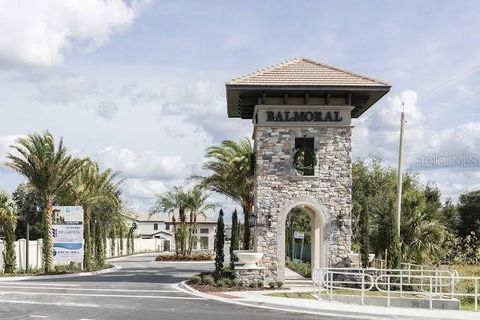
(88, 289)
(100, 295)
(60, 304)
(37, 316)
(11, 283)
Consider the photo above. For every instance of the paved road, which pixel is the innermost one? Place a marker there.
(142, 289)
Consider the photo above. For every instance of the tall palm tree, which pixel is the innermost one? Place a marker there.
(94, 190)
(197, 205)
(230, 164)
(48, 168)
(172, 202)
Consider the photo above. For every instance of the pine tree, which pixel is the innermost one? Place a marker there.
(219, 243)
(235, 240)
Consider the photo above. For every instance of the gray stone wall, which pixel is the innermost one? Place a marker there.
(278, 189)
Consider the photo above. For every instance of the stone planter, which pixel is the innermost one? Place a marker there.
(249, 258)
(356, 260)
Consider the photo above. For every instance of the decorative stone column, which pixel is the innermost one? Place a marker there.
(279, 188)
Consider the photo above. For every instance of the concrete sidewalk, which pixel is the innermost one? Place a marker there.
(330, 308)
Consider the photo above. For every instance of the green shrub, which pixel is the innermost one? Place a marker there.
(272, 284)
(220, 283)
(208, 279)
(228, 282)
(279, 284)
(260, 284)
(196, 256)
(253, 285)
(195, 279)
(237, 283)
(303, 268)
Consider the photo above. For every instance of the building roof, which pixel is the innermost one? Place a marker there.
(305, 72)
(302, 79)
(144, 217)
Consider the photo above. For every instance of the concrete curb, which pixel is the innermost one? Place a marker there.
(61, 276)
(344, 310)
(184, 262)
(187, 289)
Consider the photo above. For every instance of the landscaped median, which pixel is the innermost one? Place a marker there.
(196, 256)
(226, 281)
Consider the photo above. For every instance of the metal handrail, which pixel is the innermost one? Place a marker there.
(429, 283)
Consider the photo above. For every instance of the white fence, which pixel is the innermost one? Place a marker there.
(35, 250)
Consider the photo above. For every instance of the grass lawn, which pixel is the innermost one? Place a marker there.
(296, 295)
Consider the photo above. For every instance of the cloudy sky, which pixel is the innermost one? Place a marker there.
(139, 85)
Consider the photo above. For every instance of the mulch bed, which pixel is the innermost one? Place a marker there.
(212, 288)
(173, 257)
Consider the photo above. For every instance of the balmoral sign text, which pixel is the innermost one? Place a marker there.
(304, 116)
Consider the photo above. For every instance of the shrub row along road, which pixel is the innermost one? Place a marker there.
(142, 289)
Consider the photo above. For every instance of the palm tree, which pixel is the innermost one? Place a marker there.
(48, 168)
(197, 205)
(172, 202)
(97, 192)
(230, 164)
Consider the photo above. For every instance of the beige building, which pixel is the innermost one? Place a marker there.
(161, 227)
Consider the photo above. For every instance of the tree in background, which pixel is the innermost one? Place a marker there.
(25, 197)
(8, 221)
(97, 192)
(469, 212)
(171, 203)
(197, 206)
(422, 228)
(48, 168)
(235, 240)
(219, 243)
(232, 174)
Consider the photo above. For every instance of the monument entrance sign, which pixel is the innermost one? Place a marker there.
(301, 112)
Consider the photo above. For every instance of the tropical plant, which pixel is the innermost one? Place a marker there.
(8, 221)
(219, 243)
(48, 169)
(97, 192)
(172, 202)
(232, 175)
(422, 230)
(197, 205)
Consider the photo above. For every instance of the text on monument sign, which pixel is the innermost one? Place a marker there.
(304, 116)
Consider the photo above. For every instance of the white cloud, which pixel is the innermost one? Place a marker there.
(5, 143)
(463, 91)
(455, 149)
(39, 33)
(143, 165)
(107, 109)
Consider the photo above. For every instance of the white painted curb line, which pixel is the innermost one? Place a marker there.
(61, 276)
(195, 292)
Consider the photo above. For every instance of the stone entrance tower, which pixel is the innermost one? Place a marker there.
(301, 112)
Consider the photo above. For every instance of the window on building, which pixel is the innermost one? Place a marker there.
(204, 243)
(203, 230)
(155, 226)
(304, 159)
(167, 226)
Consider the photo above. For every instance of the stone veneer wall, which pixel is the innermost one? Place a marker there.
(278, 189)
